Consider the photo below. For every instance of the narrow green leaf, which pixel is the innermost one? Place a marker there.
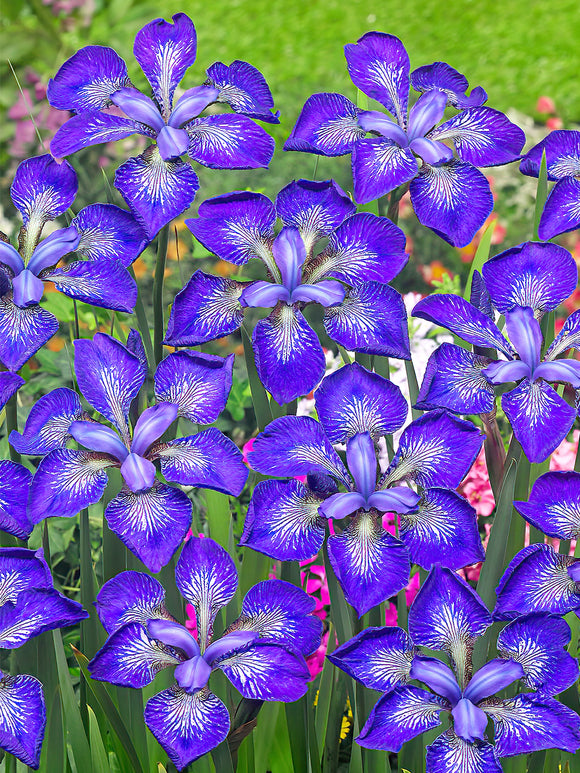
(259, 394)
(480, 257)
(541, 193)
(53, 759)
(143, 326)
(325, 691)
(218, 517)
(222, 758)
(98, 753)
(413, 387)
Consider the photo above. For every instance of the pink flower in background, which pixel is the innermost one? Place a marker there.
(564, 456)
(545, 105)
(29, 113)
(410, 592)
(476, 487)
(313, 580)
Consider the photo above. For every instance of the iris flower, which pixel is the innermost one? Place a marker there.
(448, 615)
(158, 185)
(261, 653)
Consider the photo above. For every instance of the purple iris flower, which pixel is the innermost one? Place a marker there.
(538, 578)
(347, 276)
(149, 516)
(562, 208)
(29, 606)
(108, 237)
(522, 284)
(448, 615)
(287, 519)
(261, 653)
(449, 195)
(158, 185)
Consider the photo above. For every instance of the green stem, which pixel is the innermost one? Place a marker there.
(12, 424)
(394, 199)
(494, 451)
(158, 323)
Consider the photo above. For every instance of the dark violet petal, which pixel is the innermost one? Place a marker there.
(227, 141)
(243, 88)
(35, 612)
(130, 597)
(267, 672)
(364, 247)
(453, 200)
(190, 104)
(92, 128)
(462, 319)
(109, 233)
(538, 642)
(23, 718)
(369, 563)
(10, 383)
(540, 418)
(296, 445)
(379, 122)
(22, 570)
(469, 721)
(447, 614)
(379, 165)
(208, 307)
(131, 657)
(327, 125)
(443, 530)
(204, 723)
(379, 658)
(151, 425)
(532, 274)
(482, 136)
(165, 51)
(139, 107)
(172, 143)
(198, 383)
(479, 295)
(9, 258)
(506, 372)
(493, 677)
(104, 283)
(567, 371)
(441, 76)
(524, 332)
(528, 723)
(449, 752)
(399, 716)
(283, 521)
(289, 356)
(562, 209)
(157, 191)
(315, 208)
(562, 149)
(236, 226)
(554, 505)
(14, 484)
(426, 112)
(437, 449)
(453, 379)
(23, 332)
(152, 523)
(47, 425)
(361, 461)
(537, 580)
(206, 576)
(353, 400)
(437, 676)
(372, 319)
(379, 66)
(206, 460)
(87, 80)
(282, 613)
(342, 504)
(289, 251)
(65, 482)
(266, 295)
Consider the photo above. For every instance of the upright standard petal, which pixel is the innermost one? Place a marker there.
(235, 226)
(435, 449)
(66, 481)
(165, 51)
(327, 125)
(206, 576)
(532, 274)
(152, 523)
(283, 521)
(243, 88)
(187, 725)
(198, 383)
(87, 80)
(22, 718)
(109, 376)
(227, 141)
(93, 128)
(399, 716)
(540, 418)
(370, 564)
(379, 658)
(206, 460)
(379, 65)
(379, 166)
(130, 597)
(482, 136)
(449, 752)
(23, 332)
(208, 307)
(47, 425)
(14, 485)
(453, 200)
(554, 505)
(561, 210)
(289, 356)
(372, 319)
(354, 400)
(157, 191)
(104, 283)
(109, 233)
